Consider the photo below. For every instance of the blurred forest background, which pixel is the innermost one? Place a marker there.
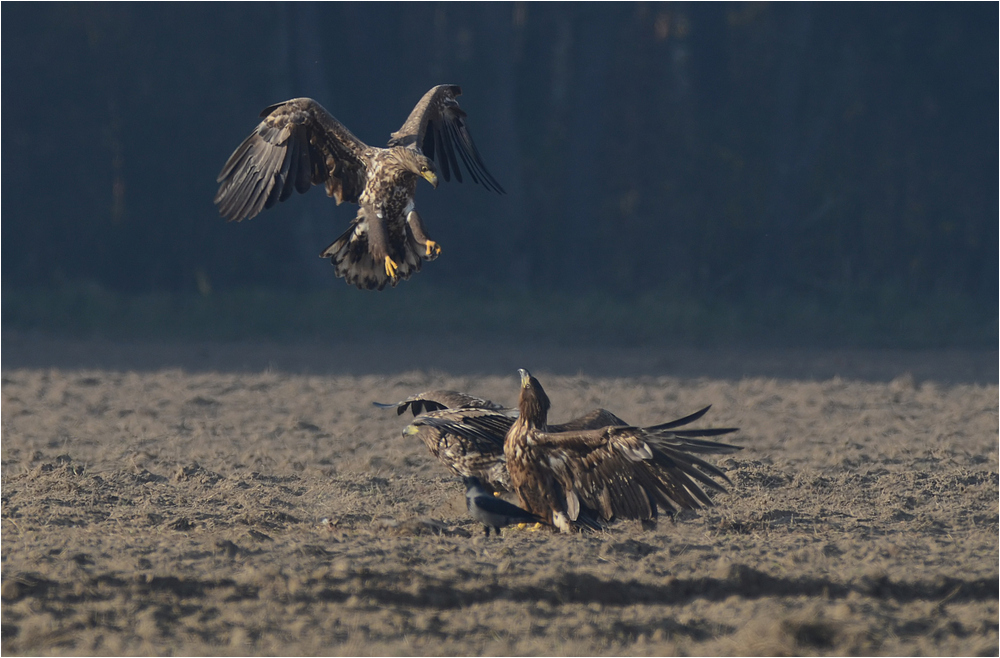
(722, 172)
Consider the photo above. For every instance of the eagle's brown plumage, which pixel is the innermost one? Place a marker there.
(469, 442)
(299, 144)
(466, 433)
(613, 472)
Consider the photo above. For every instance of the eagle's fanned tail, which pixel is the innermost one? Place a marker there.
(352, 259)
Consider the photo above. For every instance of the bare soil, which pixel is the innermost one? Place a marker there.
(249, 499)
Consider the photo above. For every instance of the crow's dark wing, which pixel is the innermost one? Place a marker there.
(501, 507)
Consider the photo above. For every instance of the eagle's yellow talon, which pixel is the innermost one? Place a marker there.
(390, 268)
(433, 248)
(524, 526)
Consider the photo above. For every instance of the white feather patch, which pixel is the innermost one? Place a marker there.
(639, 454)
(572, 505)
(560, 521)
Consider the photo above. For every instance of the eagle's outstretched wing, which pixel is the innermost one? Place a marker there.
(297, 145)
(589, 421)
(625, 472)
(437, 128)
(439, 399)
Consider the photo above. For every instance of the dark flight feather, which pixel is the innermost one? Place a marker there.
(439, 399)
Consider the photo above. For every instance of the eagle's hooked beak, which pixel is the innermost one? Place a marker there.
(525, 377)
(431, 178)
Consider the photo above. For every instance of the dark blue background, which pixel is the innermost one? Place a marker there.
(730, 151)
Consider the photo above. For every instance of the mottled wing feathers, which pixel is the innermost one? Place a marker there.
(482, 428)
(626, 472)
(468, 441)
(437, 128)
(297, 145)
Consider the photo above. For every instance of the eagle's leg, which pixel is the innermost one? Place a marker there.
(390, 268)
(416, 224)
(378, 239)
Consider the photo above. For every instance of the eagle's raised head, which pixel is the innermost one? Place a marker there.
(533, 403)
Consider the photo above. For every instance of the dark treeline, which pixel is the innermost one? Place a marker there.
(724, 149)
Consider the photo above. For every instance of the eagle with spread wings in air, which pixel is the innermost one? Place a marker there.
(619, 471)
(299, 144)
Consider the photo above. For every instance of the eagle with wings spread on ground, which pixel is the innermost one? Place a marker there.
(299, 144)
(467, 434)
(611, 472)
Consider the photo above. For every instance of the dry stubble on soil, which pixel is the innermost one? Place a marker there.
(176, 512)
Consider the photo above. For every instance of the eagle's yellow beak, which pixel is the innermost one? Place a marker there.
(431, 178)
(525, 377)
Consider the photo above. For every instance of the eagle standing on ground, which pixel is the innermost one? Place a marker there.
(466, 433)
(611, 472)
(299, 144)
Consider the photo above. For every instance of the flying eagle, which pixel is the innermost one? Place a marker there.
(611, 472)
(299, 144)
(466, 433)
